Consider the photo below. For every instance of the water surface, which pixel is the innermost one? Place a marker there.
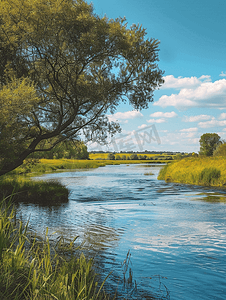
(176, 234)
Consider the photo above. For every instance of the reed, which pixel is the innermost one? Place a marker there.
(26, 190)
(148, 173)
(32, 269)
(207, 171)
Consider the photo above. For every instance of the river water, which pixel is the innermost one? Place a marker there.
(174, 235)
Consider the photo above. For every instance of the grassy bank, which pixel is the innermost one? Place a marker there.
(24, 189)
(32, 269)
(207, 171)
(51, 165)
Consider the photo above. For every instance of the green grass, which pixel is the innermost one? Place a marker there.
(32, 269)
(26, 190)
(52, 165)
(207, 171)
(149, 173)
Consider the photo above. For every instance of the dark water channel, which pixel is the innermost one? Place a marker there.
(176, 233)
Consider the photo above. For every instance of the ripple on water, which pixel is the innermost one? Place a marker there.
(176, 233)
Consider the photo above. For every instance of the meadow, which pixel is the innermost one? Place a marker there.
(206, 171)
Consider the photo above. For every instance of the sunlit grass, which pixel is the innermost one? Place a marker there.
(148, 173)
(32, 269)
(207, 171)
(26, 190)
(95, 156)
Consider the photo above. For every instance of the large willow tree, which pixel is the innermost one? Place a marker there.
(62, 68)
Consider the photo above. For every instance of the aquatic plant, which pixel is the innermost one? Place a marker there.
(33, 269)
(26, 190)
(148, 173)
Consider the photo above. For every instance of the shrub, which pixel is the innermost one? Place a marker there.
(133, 157)
(111, 156)
(118, 157)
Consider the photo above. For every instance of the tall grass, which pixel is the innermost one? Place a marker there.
(27, 190)
(51, 165)
(207, 171)
(30, 269)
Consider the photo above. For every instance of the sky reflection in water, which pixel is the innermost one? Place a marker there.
(176, 234)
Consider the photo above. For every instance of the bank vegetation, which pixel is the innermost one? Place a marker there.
(202, 170)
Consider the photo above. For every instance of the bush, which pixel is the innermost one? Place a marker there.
(111, 156)
(118, 157)
(133, 157)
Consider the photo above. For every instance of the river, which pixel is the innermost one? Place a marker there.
(175, 234)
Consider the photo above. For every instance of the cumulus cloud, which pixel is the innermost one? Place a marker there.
(206, 94)
(156, 121)
(197, 118)
(222, 74)
(183, 82)
(161, 114)
(143, 126)
(222, 116)
(212, 123)
(124, 116)
(192, 129)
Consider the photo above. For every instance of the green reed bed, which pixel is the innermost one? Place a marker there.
(26, 190)
(32, 269)
(34, 166)
(206, 171)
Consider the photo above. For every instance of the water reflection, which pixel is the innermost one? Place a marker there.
(176, 233)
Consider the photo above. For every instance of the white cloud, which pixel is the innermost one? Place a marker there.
(143, 126)
(192, 129)
(133, 114)
(156, 121)
(212, 123)
(222, 74)
(207, 94)
(181, 139)
(183, 82)
(161, 114)
(222, 116)
(197, 118)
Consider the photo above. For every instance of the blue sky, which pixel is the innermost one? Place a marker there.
(193, 54)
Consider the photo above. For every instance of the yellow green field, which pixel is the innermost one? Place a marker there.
(104, 155)
(207, 171)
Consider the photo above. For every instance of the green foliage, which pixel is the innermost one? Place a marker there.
(111, 156)
(209, 175)
(208, 143)
(133, 157)
(118, 157)
(33, 269)
(207, 171)
(220, 150)
(142, 157)
(62, 69)
(66, 149)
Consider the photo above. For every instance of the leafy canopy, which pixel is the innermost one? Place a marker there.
(62, 68)
(208, 143)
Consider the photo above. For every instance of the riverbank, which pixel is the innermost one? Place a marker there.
(31, 268)
(206, 171)
(19, 183)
